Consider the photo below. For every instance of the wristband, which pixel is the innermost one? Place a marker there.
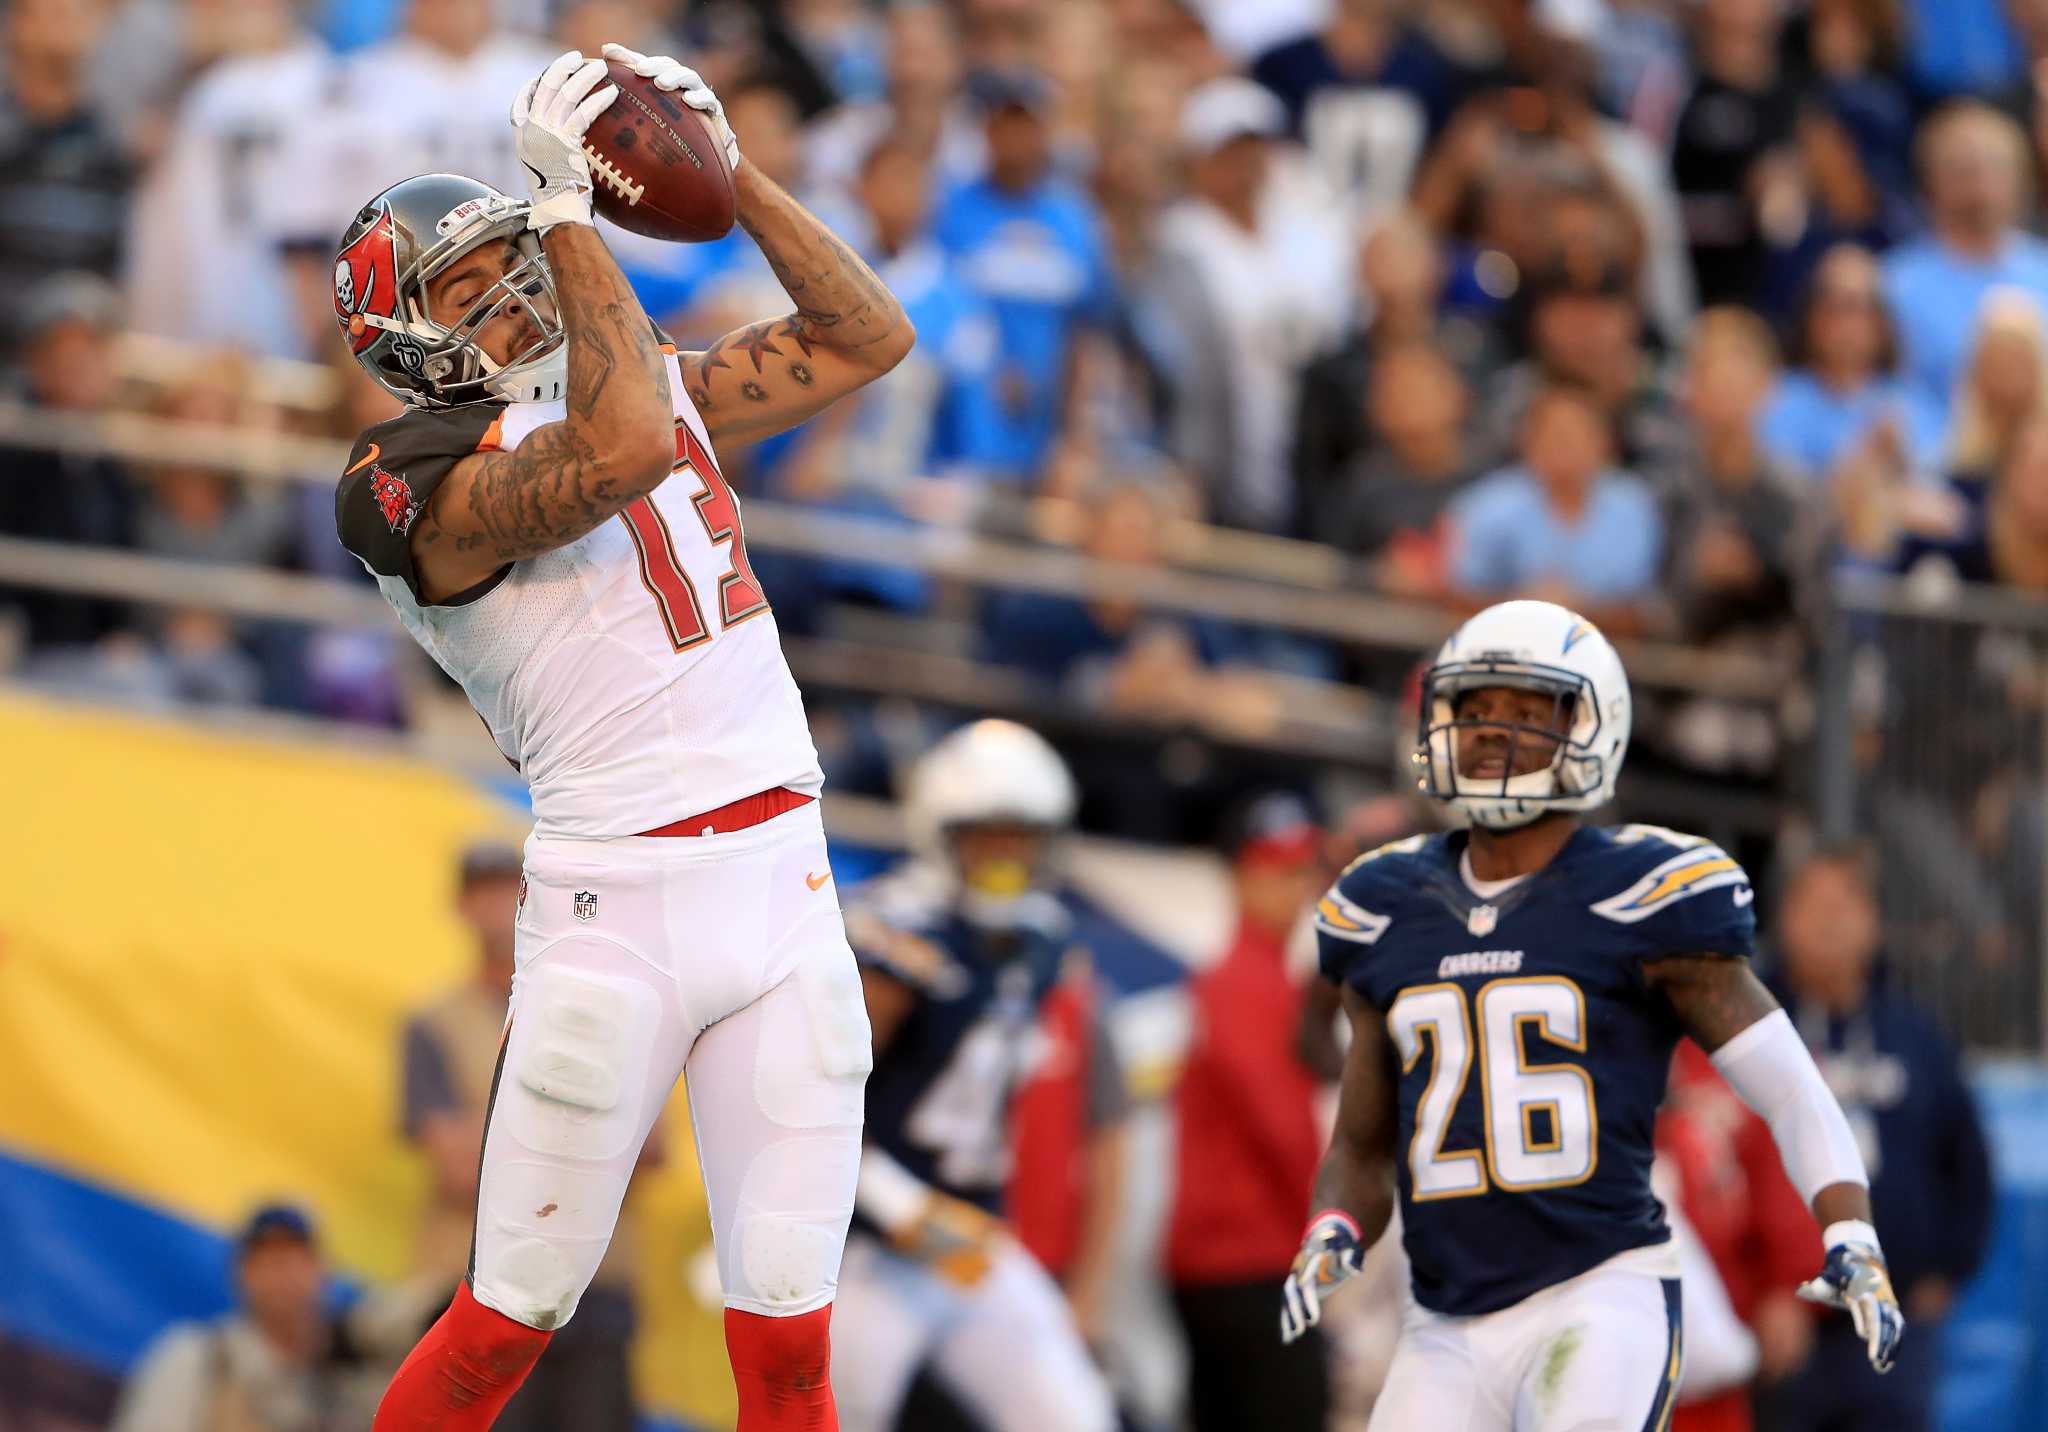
(889, 1193)
(1851, 1230)
(1350, 1224)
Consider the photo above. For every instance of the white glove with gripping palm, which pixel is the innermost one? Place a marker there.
(1331, 1252)
(688, 86)
(552, 114)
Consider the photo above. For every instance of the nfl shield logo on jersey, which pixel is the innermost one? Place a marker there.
(1482, 919)
(586, 904)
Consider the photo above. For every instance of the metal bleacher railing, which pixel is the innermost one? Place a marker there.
(1933, 748)
(1244, 579)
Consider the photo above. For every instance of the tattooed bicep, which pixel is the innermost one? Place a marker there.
(1714, 997)
(766, 377)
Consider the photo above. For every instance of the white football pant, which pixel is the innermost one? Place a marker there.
(1006, 1348)
(638, 959)
(1597, 1353)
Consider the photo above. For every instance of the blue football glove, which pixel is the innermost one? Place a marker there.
(1330, 1253)
(1854, 1279)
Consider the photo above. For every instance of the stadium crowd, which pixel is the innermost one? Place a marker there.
(1674, 311)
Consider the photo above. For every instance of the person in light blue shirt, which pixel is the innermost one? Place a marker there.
(1974, 165)
(1842, 384)
(1564, 524)
(1032, 245)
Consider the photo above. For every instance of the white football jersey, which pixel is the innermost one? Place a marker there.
(634, 676)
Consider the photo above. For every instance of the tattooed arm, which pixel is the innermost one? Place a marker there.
(616, 443)
(1717, 999)
(847, 331)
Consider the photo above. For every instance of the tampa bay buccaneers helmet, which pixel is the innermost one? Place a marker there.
(404, 237)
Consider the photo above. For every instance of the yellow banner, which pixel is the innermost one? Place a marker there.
(209, 944)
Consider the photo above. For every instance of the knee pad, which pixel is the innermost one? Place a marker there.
(790, 1229)
(580, 1046)
(816, 1049)
(530, 1281)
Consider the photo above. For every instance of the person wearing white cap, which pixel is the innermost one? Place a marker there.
(1255, 283)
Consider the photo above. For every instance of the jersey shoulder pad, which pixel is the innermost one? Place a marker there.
(1683, 893)
(893, 924)
(393, 470)
(1360, 907)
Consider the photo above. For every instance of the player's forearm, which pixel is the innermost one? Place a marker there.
(1358, 1182)
(1842, 1203)
(841, 303)
(618, 403)
(1102, 1215)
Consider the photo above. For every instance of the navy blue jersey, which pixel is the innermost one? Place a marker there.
(1532, 1054)
(939, 1097)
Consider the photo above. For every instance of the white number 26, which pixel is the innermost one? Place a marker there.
(1511, 1015)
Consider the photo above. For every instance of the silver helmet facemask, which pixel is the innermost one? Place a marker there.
(433, 364)
(1574, 767)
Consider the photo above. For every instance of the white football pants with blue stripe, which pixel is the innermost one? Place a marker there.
(1006, 1348)
(1597, 1353)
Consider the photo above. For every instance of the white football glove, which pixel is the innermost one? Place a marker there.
(1854, 1278)
(1331, 1252)
(552, 114)
(674, 75)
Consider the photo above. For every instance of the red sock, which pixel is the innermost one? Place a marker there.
(462, 1373)
(783, 1368)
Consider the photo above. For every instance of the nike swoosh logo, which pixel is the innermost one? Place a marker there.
(1744, 895)
(540, 180)
(817, 882)
(369, 457)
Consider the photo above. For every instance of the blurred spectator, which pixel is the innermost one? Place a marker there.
(450, 1058)
(922, 107)
(1584, 330)
(1753, 1225)
(1741, 539)
(1390, 504)
(1032, 245)
(1256, 287)
(844, 41)
(1957, 47)
(1841, 388)
(1399, 302)
(1564, 524)
(67, 332)
(283, 1361)
(1930, 1174)
(1735, 541)
(1732, 156)
(1107, 653)
(1547, 135)
(432, 99)
(202, 257)
(1974, 166)
(1365, 47)
(2004, 388)
(1249, 1142)
(896, 451)
(64, 177)
(1853, 46)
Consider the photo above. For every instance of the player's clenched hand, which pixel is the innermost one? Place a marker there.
(1854, 1278)
(1330, 1253)
(952, 1237)
(689, 86)
(552, 114)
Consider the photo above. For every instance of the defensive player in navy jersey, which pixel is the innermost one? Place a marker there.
(957, 953)
(1515, 990)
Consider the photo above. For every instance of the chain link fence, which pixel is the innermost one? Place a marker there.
(1933, 752)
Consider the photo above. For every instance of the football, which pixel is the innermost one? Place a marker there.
(658, 168)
